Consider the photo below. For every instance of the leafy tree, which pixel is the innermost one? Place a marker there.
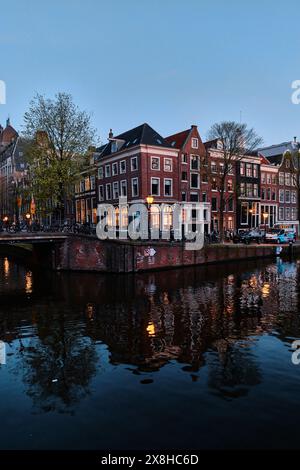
(58, 135)
(235, 141)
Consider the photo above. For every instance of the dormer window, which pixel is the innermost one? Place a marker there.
(114, 146)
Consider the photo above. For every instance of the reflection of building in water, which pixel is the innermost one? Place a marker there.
(195, 316)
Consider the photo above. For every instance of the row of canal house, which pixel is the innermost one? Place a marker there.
(260, 188)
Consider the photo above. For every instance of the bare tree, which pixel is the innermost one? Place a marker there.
(235, 141)
(59, 135)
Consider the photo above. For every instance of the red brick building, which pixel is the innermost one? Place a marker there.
(191, 160)
(268, 194)
(137, 164)
(210, 181)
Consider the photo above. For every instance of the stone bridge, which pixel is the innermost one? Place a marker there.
(71, 252)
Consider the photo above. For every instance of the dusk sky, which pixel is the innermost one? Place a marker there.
(171, 63)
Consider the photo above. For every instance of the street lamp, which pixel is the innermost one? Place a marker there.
(265, 216)
(149, 200)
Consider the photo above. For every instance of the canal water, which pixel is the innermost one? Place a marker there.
(193, 358)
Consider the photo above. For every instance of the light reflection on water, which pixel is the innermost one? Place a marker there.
(176, 359)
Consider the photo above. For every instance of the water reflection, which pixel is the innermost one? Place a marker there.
(201, 318)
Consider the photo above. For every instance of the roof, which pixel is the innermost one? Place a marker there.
(178, 140)
(141, 135)
(278, 149)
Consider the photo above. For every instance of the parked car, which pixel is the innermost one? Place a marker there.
(272, 235)
(255, 236)
(278, 235)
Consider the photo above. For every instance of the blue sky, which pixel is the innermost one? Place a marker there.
(171, 63)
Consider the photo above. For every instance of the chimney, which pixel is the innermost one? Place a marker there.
(193, 126)
(7, 122)
(110, 135)
(295, 139)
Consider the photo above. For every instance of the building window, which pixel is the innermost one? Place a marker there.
(287, 196)
(184, 158)
(114, 169)
(195, 180)
(168, 164)
(242, 189)
(274, 179)
(204, 197)
(294, 213)
(269, 194)
(269, 178)
(123, 188)
(255, 190)
(221, 168)
(155, 163)
(229, 185)
(116, 190)
(287, 179)
(87, 183)
(195, 162)
(214, 184)
(230, 169)
(281, 213)
(183, 196)
(108, 191)
(263, 193)
(184, 176)
(101, 193)
(204, 177)
(273, 195)
(287, 213)
(214, 167)
(155, 190)
(194, 143)
(100, 172)
(194, 197)
(294, 197)
(168, 187)
(134, 164)
(255, 171)
(135, 187)
(82, 186)
(242, 168)
(230, 205)
(244, 213)
(249, 170)
(281, 179)
(93, 183)
(122, 167)
(281, 195)
(249, 190)
(214, 204)
(107, 171)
